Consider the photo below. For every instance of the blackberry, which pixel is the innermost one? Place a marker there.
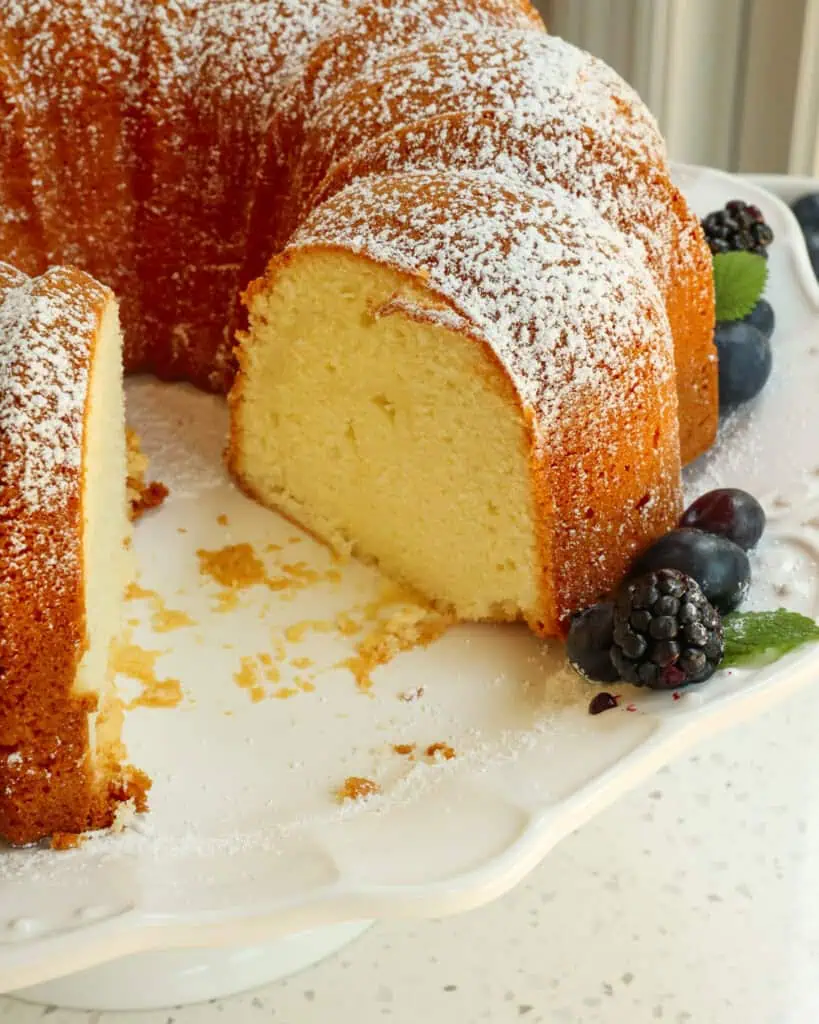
(738, 226)
(666, 633)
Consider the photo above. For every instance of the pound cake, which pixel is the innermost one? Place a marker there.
(474, 316)
(65, 564)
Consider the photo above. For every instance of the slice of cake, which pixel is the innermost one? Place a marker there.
(469, 383)
(64, 559)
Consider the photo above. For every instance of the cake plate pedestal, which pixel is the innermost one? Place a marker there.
(183, 976)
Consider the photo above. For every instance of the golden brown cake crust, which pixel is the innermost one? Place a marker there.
(48, 784)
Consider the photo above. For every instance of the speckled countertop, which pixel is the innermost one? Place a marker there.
(695, 899)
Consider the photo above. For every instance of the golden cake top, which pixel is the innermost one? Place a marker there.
(47, 328)
(628, 191)
(527, 74)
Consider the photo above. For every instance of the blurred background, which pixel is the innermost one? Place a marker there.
(733, 83)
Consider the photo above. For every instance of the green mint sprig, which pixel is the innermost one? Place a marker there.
(760, 638)
(739, 281)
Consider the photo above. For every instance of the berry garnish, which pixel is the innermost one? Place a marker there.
(812, 243)
(806, 211)
(737, 227)
(739, 282)
(745, 362)
(762, 317)
(728, 512)
(666, 633)
(589, 643)
(720, 567)
(602, 702)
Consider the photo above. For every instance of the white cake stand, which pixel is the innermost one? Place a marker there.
(247, 868)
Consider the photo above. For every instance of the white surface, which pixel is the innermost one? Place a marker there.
(167, 883)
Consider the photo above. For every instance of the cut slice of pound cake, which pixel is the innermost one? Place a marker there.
(64, 559)
(468, 382)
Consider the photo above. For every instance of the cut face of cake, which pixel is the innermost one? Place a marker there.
(431, 381)
(63, 542)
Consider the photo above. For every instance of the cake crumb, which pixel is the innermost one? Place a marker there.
(66, 841)
(405, 749)
(235, 566)
(130, 790)
(357, 788)
(440, 752)
(410, 696)
(142, 496)
(125, 814)
(139, 664)
(296, 632)
(226, 601)
(161, 693)
(163, 618)
(222, 519)
(404, 630)
(166, 620)
(248, 678)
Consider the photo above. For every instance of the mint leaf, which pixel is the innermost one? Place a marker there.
(739, 281)
(760, 638)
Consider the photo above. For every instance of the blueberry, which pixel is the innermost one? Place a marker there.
(591, 635)
(762, 317)
(744, 363)
(812, 242)
(719, 566)
(806, 210)
(728, 512)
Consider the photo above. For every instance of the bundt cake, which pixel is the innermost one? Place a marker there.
(65, 564)
(472, 294)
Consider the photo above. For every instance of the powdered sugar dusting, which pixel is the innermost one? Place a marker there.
(46, 330)
(524, 73)
(564, 301)
(561, 147)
